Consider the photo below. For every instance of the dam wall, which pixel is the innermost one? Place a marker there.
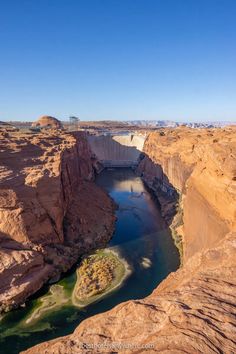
(117, 150)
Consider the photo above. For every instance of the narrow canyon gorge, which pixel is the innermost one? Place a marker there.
(52, 212)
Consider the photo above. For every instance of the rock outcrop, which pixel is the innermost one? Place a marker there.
(7, 127)
(48, 122)
(193, 309)
(51, 212)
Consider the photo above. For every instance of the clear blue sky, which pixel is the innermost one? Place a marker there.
(118, 59)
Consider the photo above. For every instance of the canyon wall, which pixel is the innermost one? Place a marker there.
(200, 165)
(49, 210)
(193, 309)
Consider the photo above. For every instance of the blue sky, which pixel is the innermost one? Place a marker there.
(118, 59)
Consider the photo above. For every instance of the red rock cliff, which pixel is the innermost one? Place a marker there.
(48, 204)
(193, 310)
(199, 164)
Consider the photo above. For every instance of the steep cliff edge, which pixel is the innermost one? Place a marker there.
(200, 165)
(193, 309)
(49, 210)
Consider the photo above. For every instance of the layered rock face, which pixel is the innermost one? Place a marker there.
(49, 210)
(201, 166)
(193, 309)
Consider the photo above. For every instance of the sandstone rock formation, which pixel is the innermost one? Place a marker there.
(201, 165)
(48, 122)
(50, 210)
(193, 309)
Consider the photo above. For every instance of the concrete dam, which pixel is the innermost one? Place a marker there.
(117, 150)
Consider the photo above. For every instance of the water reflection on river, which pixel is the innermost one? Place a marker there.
(141, 238)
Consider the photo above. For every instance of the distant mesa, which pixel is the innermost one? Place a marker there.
(47, 122)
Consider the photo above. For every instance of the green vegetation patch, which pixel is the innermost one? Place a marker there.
(97, 275)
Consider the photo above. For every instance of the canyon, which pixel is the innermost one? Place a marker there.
(52, 212)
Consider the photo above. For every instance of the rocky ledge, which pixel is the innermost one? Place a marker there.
(51, 212)
(193, 309)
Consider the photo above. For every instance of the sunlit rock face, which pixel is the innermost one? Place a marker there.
(200, 165)
(193, 309)
(49, 210)
(48, 122)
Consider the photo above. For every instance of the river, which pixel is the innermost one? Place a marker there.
(141, 238)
